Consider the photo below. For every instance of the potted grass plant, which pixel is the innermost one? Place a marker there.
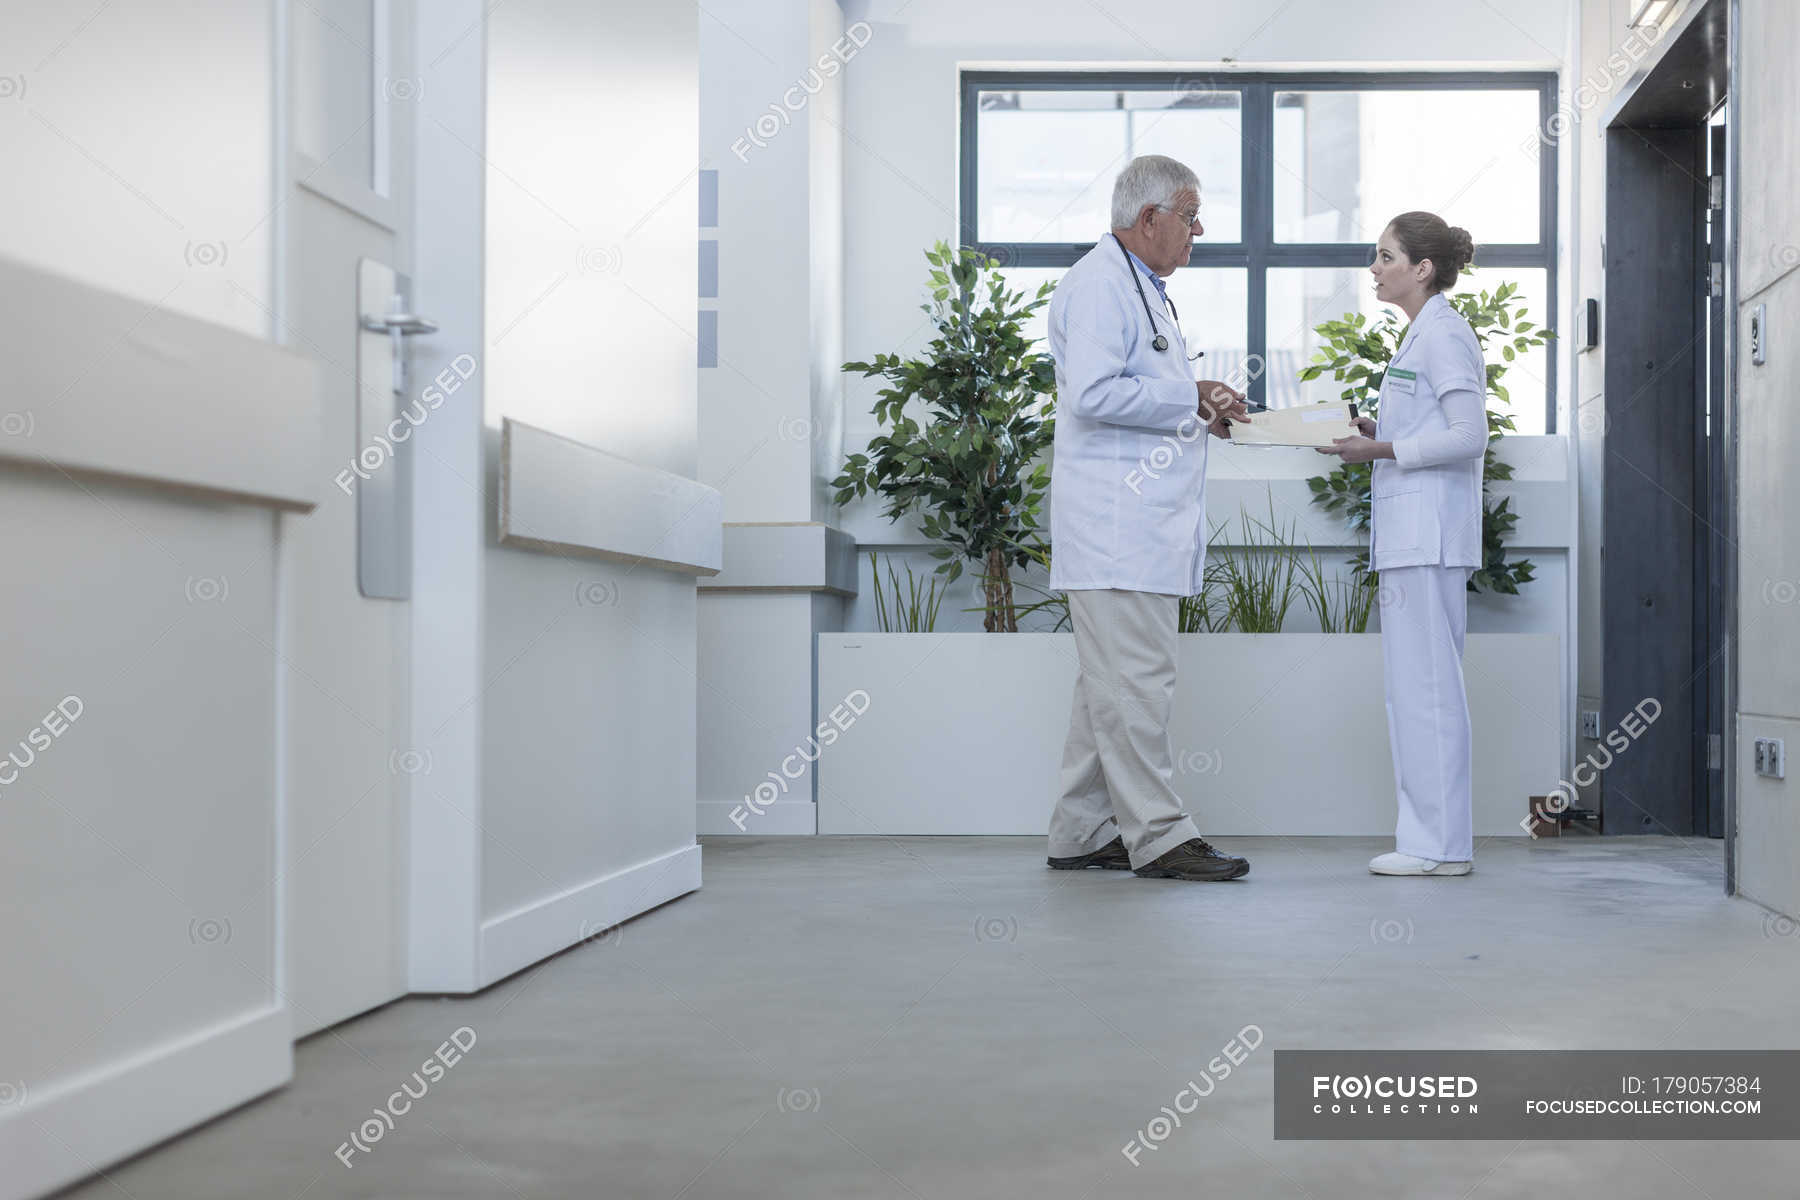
(910, 607)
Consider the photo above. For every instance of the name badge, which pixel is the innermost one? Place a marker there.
(1400, 382)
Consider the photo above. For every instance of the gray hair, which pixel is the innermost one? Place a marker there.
(1148, 179)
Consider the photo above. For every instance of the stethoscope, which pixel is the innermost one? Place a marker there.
(1160, 341)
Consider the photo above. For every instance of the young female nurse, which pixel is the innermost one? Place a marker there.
(1425, 537)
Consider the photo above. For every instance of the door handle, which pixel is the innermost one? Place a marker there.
(384, 318)
(402, 323)
(397, 324)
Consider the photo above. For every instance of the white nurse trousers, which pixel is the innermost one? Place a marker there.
(1424, 614)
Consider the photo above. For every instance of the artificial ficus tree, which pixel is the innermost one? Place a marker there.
(964, 426)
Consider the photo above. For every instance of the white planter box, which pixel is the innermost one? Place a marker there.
(1273, 734)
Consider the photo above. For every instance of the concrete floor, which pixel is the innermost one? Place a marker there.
(945, 1018)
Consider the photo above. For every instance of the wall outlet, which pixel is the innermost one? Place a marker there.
(1771, 758)
(1590, 723)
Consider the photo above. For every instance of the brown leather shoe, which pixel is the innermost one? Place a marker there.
(1112, 856)
(1197, 860)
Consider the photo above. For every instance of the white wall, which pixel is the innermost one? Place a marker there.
(770, 427)
(1768, 836)
(588, 709)
(590, 259)
(141, 147)
(755, 708)
(825, 220)
(772, 128)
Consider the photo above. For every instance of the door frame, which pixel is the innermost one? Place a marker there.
(1691, 48)
(1728, 594)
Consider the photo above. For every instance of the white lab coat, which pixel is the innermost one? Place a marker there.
(1425, 539)
(1426, 500)
(1127, 487)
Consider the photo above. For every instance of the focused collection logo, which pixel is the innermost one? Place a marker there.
(1391, 1095)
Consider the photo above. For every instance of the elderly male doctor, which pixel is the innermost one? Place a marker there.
(1128, 528)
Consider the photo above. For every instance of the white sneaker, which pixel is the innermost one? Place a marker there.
(1405, 864)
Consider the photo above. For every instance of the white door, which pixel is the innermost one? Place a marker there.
(352, 89)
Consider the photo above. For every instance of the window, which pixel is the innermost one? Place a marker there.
(1298, 174)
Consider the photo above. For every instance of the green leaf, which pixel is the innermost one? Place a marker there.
(967, 423)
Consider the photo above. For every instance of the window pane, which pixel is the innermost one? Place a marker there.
(1527, 378)
(1301, 299)
(334, 90)
(1048, 159)
(1214, 304)
(1348, 162)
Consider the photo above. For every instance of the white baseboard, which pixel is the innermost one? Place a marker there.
(782, 818)
(72, 1128)
(517, 939)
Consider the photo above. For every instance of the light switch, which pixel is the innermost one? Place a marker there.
(1771, 758)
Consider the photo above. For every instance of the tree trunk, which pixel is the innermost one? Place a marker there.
(997, 595)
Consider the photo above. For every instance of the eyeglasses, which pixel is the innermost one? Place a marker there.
(1189, 219)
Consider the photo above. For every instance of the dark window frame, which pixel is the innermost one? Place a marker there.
(1258, 251)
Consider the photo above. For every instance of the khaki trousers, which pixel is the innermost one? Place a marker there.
(1117, 769)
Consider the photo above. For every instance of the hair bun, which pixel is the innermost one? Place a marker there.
(1424, 236)
(1463, 245)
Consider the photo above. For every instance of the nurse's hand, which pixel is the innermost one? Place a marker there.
(1358, 449)
(1366, 424)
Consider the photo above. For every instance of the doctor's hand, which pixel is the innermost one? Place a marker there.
(1217, 401)
(1366, 425)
